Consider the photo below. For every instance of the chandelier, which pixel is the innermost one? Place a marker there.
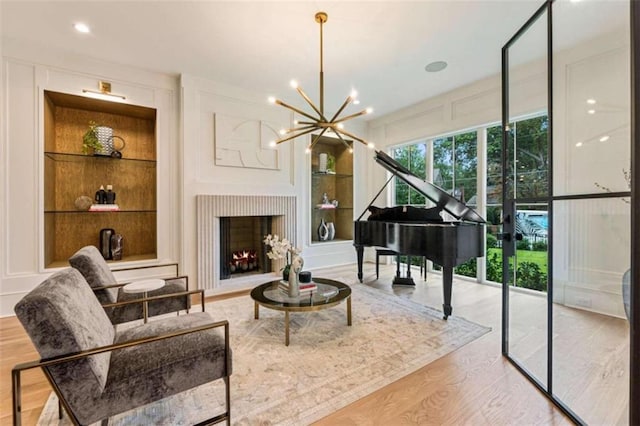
(318, 121)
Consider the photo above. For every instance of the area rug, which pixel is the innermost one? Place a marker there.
(327, 365)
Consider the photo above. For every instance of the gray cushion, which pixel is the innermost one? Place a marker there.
(96, 271)
(62, 316)
(145, 373)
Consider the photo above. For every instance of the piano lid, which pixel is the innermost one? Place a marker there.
(442, 200)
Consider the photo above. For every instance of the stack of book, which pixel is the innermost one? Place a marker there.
(104, 208)
(304, 288)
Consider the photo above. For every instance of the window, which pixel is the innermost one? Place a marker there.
(451, 163)
(414, 158)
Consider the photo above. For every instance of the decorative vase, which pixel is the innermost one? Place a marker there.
(105, 137)
(294, 280)
(331, 231)
(323, 231)
(322, 162)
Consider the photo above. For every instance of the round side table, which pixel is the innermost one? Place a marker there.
(143, 287)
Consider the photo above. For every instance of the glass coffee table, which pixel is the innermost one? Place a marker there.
(327, 294)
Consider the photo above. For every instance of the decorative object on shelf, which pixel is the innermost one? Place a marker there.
(331, 231)
(322, 162)
(281, 249)
(335, 203)
(105, 242)
(323, 231)
(331, 163)
(110, 196)
(101, 196)
(325, 199)
(104, 208)
(83, 202)
(294, 281)
(100, 140)
(320, 122)
(117, 244)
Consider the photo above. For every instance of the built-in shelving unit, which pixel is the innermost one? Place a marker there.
(337, 183)
(69, 174)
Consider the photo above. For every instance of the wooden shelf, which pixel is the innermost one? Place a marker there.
(69, 173)
(337, 186)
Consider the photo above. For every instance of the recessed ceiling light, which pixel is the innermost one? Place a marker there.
(435, 66)
(81, 27)
(579, 144)
(592, 111)
(604, 138)
(591, 101)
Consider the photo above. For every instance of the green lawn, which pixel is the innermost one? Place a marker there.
(538, 257)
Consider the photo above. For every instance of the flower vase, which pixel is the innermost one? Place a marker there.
(294, 281)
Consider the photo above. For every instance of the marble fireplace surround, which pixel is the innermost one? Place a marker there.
(209, 210)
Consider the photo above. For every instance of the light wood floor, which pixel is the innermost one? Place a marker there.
(473, 385)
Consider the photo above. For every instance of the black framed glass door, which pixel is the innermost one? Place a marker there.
(567, 210)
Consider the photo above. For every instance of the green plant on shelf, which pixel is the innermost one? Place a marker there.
(331, 163)
(90, 142)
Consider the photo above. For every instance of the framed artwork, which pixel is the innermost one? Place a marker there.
(244, 143)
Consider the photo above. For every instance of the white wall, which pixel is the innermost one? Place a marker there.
(27, 72)
(201, 99)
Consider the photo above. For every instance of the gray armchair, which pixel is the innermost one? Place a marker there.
(98, 372)
(120, 306)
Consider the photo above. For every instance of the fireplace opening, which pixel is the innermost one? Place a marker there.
(242, 251)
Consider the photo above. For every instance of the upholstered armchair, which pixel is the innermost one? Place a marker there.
(98, 372)
(120, 307)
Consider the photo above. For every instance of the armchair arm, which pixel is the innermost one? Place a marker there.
(162, 296)
(43, 363)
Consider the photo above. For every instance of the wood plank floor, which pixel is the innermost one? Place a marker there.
(473, 385)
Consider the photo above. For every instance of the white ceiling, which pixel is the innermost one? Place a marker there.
(379, 48)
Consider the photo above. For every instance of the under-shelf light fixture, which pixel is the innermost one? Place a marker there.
(317, 120)
(103, 93)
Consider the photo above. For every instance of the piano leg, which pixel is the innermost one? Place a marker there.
(360, 254)
(447, 281)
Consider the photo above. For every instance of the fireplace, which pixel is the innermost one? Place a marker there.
(211, 210)
(242, 250)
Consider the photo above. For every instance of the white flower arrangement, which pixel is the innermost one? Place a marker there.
(280, 248)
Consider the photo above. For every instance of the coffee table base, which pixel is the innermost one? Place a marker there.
(256, 315)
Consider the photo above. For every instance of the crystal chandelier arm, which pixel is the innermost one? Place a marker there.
(295, 136)
(317, 138)
(294, 109)
(344, 105)
(350, 135)
(349, 117)
(306, 98)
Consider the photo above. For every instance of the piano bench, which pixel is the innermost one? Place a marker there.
(382, 252)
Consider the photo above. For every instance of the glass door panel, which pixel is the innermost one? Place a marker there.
(526, 149)
(592, 217)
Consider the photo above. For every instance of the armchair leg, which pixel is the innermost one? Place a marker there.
(17, 406)
(104, 422)
(228, 399)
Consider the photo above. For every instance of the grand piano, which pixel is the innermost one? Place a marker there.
(446, 243)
